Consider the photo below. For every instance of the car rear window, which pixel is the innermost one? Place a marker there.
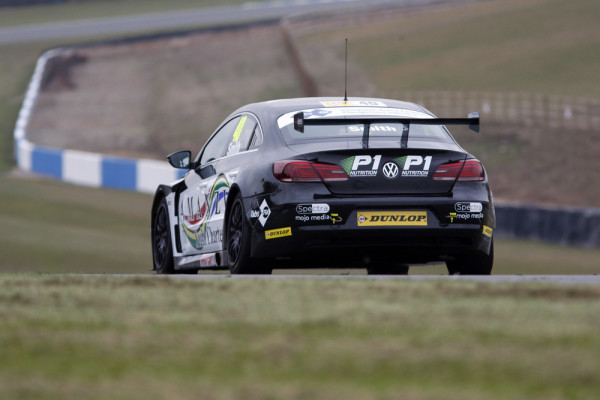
(384, 130)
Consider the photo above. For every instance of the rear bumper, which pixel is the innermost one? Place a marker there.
(339, 247)
(335, 236)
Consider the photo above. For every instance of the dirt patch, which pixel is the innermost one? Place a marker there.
(151, 98)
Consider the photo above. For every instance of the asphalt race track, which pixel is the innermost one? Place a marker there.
(245, 13)
(553, 279)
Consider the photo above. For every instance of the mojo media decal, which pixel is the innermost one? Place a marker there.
(391, 218)
(465, 217)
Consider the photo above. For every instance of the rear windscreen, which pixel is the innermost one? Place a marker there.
(385, 130)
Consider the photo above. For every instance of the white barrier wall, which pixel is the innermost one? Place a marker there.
(79, 167)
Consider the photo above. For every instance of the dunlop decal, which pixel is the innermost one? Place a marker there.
(391, 218)
(277, 233)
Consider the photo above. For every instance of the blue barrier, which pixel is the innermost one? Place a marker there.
(119, 173)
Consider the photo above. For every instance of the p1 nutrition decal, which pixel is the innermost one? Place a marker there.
(362, 166)
(414, 166)
(391, 218)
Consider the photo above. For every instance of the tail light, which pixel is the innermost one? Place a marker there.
(305, 171)
(466, 171)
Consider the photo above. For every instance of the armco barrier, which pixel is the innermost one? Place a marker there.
(79, 167)
(561, 225)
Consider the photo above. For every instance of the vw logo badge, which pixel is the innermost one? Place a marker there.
(390, 170)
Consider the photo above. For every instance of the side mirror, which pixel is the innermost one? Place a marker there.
(180, 159)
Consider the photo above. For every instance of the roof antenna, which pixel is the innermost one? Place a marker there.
(346, 74)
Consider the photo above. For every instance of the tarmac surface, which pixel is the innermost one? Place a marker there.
(550, 279)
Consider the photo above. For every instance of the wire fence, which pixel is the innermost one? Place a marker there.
(525, 109)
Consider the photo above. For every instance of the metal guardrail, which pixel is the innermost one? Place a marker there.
(561, 225)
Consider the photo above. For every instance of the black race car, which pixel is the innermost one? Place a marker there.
(322, 182)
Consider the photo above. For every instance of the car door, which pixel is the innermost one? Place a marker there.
(202, 205)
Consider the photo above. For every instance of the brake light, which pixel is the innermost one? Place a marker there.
(466, 171)
(305, 171)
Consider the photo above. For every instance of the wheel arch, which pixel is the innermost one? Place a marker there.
(234, 190)
(161, 192)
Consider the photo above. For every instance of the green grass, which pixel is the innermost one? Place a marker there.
(75, 337)
(539, 46)
(53, 227)
(16, 66)
(76, 10)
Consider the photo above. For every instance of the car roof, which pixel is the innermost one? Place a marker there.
(274, 108)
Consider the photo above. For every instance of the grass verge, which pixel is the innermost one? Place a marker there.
(55, 227)
(140, 338)
(70, 11)
(538, 46)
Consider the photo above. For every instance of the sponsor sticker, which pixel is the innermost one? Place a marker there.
(364, 103)
(261, 213)
(319, 218)
(265, 211)
(361, 166)
(318, 208)
(464, 216)
(414, 166)
(208, 260)
(487, 231)
(277, 233)
(468, 207)
(391, 218)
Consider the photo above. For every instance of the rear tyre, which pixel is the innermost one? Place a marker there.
(474, 265)
(162, 250)
(238, 242)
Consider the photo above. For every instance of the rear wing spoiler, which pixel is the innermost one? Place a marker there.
(472, 120)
